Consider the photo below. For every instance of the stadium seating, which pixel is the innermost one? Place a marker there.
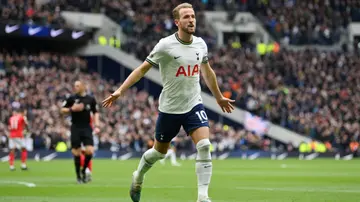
(313, 93)
(29, 80)
(302, 91)
(28, 12)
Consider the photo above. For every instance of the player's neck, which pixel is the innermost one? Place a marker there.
(82, 94)
(185, 37)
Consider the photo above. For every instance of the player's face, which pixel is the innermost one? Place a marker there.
(187, 21)
(78, 87)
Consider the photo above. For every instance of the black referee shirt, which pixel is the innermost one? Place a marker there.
(82, 118)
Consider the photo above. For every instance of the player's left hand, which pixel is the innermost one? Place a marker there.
(225, 104)
(109, 100)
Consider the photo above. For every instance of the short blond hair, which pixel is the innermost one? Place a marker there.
(176, 11)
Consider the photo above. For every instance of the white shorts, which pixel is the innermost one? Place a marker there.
(16, 143)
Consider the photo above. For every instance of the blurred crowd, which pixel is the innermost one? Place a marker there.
(313, 93)
(40, 82)
(308, 21)
(290, 21)
(29, 12)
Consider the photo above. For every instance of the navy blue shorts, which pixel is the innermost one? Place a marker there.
(168, 125)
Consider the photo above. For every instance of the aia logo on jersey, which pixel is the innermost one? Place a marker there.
(191, 71)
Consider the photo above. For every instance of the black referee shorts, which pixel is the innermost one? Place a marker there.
(81, 135)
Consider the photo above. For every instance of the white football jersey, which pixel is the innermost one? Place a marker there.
(179, 63)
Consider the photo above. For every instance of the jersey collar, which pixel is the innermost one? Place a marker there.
(181, 41)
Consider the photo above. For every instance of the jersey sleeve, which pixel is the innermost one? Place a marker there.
(157, 54)
(205, 58)
(94, 106)
(68, 102)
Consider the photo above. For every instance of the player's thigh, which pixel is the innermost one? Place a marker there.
(12, 145)
(87, 140)
(22, 143)
(199, 134)
(167, 127)
(18, 143)
(75, 138)
(196, 124)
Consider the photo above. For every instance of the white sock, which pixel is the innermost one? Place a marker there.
(203, 167)
(87, 171)
(168, 154)
(147, 161)
(172, 156)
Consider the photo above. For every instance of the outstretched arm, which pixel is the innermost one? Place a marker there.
(134, 77)
(211, 82)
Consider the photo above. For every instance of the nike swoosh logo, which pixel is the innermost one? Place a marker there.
(33, 31)
(9, 29)
(176, 57)
(76, 35)
(55, 33)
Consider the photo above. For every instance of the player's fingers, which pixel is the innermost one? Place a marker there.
(228, 110)
(106, 103)
(231, 106)
(222, 108)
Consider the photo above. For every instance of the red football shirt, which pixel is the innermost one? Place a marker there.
(16, 126)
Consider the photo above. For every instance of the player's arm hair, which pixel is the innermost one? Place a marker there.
(134, 77)
(210, 79)
(95, 112)
(96, 119)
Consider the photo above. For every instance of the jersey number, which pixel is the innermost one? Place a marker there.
(14, 123)
(202, 116)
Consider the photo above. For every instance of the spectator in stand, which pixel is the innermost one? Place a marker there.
(26, 11)
(29, 82)
(313, 93)
(307, 21)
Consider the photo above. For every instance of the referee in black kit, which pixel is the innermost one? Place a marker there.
(80, 106)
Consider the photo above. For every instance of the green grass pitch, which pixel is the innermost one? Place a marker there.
(234, 180)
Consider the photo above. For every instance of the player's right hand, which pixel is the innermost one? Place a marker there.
(77, 107)
(109, 100)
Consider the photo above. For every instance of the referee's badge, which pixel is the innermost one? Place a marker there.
(87, 107)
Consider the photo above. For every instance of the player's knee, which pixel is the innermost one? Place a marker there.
(89, 151)
(76, 152)
(203, 148)
(152, 156)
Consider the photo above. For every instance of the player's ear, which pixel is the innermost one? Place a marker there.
(176, 22)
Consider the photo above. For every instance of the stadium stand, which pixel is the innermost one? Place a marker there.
(310, 92)
(28, 12)
(313, 93)
(28, 80)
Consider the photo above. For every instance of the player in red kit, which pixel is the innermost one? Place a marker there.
(17, 124)
(88, 170)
